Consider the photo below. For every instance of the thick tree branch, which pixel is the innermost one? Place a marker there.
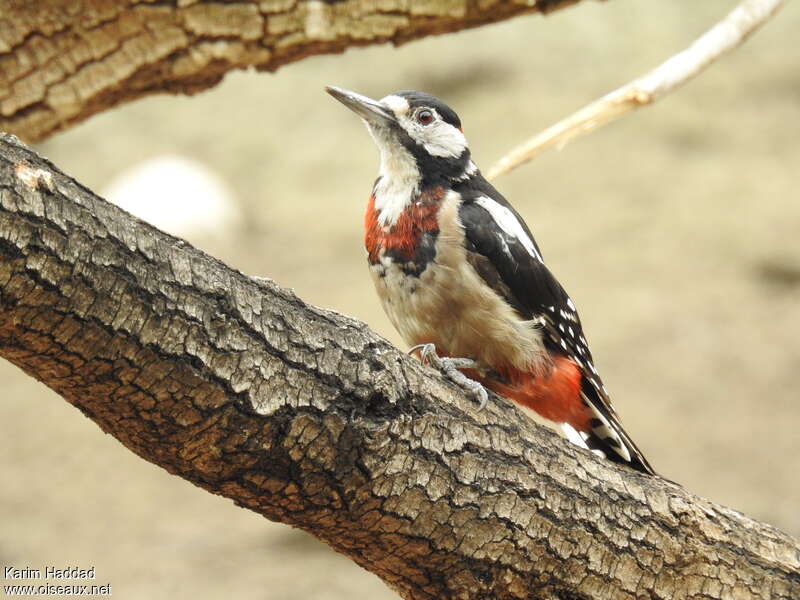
(670, 75)
(63, 61)
(308, 418)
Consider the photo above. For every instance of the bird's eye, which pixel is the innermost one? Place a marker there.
(425, 116)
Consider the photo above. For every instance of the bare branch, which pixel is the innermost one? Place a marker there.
(667, 77)
(308, 418)
(59, 65)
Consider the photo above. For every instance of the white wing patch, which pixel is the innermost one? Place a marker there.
(509, 223)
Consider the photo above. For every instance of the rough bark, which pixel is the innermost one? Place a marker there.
(62, 61)
(308, 418)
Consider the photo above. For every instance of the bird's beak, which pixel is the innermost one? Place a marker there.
(368, 109)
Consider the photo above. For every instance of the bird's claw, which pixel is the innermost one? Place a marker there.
(450, 368)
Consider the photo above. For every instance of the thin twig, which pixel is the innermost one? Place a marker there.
(668, 76)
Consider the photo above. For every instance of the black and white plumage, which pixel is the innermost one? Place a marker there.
(457, 267)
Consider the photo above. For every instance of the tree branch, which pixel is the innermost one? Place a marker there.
(308, 418)
(60, 64)
(726, 35)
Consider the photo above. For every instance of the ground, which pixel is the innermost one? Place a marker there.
(675, 231)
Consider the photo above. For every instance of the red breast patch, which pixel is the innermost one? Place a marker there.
(402, 237)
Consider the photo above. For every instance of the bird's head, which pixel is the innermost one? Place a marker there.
(418, 136)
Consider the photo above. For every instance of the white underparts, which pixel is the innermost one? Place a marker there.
(480, 324)
(509, 223)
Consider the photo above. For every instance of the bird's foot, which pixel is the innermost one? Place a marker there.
(450, 368)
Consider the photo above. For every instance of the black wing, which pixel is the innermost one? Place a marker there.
(502, 250)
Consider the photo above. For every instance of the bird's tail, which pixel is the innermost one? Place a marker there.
(565, 396)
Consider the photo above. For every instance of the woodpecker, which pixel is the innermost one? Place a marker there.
(461, 277)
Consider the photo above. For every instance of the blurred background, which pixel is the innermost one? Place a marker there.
(676, 231)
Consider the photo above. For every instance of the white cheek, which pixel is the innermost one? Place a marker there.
(444, 140)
